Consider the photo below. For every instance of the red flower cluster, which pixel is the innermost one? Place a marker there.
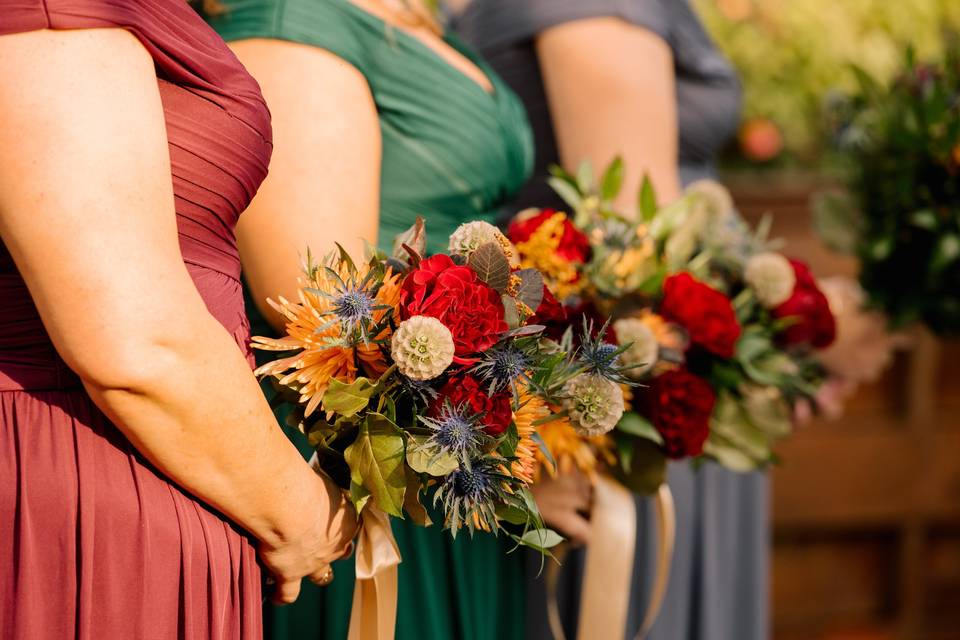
(704, 312)
(574, 245)
(679, 404)
(454, 295)
(495, 410)
(815, 324)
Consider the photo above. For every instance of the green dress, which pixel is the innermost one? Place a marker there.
(452, 152)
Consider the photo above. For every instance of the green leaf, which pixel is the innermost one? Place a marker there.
(924, 219)
(531, 288)
(509, 441)
(837, 220)
(348, 400)
(612, 179)
(511, 513)
(648, 469)
(359, 496)
(636, 425)
(425, 458)
(648, 200)
(376, 460)
(541, 538)
(567, 192)
(544, 449)
(585, 177)
(491, 266)
(945, 253)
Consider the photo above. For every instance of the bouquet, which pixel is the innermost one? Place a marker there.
(419, 376)
(719, 330)
(902, 216)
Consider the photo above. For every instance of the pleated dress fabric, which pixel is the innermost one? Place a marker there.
(452, 152)
(94, 542)
(719, 575)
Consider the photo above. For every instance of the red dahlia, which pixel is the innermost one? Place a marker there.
(704, 312)
(814, 322)
(454, 295)
(679, 404)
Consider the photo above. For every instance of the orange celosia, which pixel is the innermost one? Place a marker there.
(313, 333)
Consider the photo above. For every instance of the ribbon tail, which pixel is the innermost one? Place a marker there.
(666, 536)
(609, 563)
(374, 613)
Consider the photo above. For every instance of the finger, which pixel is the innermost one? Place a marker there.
(286, 591)
(576, 528)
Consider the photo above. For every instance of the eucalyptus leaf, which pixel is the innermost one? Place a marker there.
(511, 312)
(567, 192)
(376, 460)
(426, 458)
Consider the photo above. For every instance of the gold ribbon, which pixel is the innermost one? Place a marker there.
(374, 613)
(605, 594)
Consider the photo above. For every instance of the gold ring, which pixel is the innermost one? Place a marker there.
(326, 577)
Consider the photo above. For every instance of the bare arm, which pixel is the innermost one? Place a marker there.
(87, 212)
(324, 182)
(611, 90)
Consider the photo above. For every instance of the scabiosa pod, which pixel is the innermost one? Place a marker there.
(641, 346)
(771, 278)
(470, 236)
(422, 347)
(594, 404)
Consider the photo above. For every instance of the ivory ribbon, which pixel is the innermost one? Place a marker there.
(374, 612)
(605, 593)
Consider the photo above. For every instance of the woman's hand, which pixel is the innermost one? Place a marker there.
(565, 502)
(326, 535)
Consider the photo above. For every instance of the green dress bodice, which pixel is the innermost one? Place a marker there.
(452, 152)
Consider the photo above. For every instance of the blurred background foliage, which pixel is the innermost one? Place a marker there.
(793, 55)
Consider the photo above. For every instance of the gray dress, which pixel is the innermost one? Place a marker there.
(719, 582)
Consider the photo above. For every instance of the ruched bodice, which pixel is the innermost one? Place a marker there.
(451, 151)
(218, 131)
(94, 542)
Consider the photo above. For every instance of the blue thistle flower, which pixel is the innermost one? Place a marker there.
(470, 495)
(503, 365)
(601, 358)
(456, 431)
(353, 305)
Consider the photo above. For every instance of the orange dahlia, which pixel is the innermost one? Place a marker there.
(571, 450)
(531, 409)
(338, 325)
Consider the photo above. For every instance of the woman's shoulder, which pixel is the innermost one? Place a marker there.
(185, 50)
(334, 25)
(492, 23)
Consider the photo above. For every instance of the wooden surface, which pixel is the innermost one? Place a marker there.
(866, 509)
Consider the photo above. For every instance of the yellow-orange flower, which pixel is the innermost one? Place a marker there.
(571, 450)
(322, 355)
(539, 252)
(532, 408)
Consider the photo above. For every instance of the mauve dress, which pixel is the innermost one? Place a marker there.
(719, 575)
(94, 542)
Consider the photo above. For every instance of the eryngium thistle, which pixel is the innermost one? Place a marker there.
(470, 494)
(422, 347)
(456, 431)
(601, 358)
(502, 366)
(594, 404)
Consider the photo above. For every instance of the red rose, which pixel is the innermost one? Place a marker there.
(551, 314)
(574, 245)
(704, 312)
(679, 404)
(815, 324)
(495, 410)
(455, 296)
